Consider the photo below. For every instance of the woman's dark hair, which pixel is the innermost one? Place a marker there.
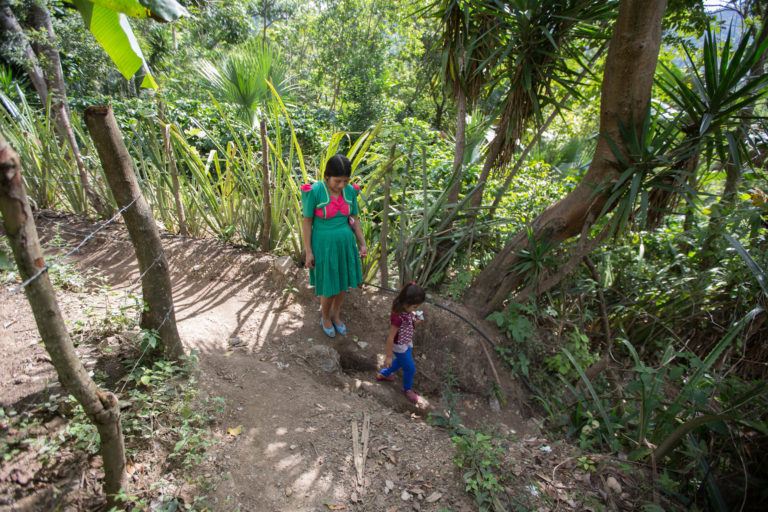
(338, 165)
(410, 294)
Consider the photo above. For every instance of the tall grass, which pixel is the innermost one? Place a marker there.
(221, 188)
(49, 168)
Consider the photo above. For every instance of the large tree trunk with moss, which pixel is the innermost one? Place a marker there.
(155, 277)
(625, 95)
(101, 407)
(40, 20)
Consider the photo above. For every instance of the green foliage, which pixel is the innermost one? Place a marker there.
(107, 22)
(515, 322)
(449, 419)
(478, 455)
(243, 79)
(11, 86)
(5, 258)
(161, 410)
(712, 99)
(50, 173)
(517, 326)
(577, 345)
(458, 284)
(586, 463)
(535, 258)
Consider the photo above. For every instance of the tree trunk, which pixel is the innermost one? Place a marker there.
(40, 20)
(155, 278)
(461, 142)
(101, 407)
(264, 33)
(28, 60)
(183, 231)
(625, 96)
(476, 201)
(439, 108)
(336, 91)
(266, 227)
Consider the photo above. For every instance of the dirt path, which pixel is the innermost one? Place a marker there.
(254, 322)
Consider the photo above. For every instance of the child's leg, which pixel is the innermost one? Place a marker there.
(409, 369)
(396, 363)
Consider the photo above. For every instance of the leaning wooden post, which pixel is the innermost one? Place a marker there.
(156, 281)
(384, 250)
(175, 189)
(101, 407)
(266, 186)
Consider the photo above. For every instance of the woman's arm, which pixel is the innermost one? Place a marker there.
(306, 230)
(390, 343)
(358, 230)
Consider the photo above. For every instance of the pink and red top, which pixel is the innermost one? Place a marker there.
(404, 337)
(318, 202)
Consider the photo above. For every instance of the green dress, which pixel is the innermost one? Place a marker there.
(337, 261)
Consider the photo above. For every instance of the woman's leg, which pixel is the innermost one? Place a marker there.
(409, 369)
(338, 300)
(326, 306)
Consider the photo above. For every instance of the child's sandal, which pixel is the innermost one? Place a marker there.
(387, 378)
(410, 395)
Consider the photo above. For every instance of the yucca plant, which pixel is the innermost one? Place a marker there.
(425, 237)
(715, 98)
(214, 191)
(50, 173)
(150, 164)
(247, 79)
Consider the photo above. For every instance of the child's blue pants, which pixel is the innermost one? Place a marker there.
(404, 361)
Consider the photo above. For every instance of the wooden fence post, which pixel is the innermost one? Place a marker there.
(153, 267)
(383, 249)
(100, 407)
(183, 231)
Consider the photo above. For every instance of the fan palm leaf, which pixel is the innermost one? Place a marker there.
(241, 79)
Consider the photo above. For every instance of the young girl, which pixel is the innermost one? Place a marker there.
(400, 339)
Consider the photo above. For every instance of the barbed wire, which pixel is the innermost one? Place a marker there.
(75, 230)
(134, 284)
(75, 249)
(138, 280)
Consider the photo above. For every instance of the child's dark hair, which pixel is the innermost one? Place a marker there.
(338, 165)
(409, 295)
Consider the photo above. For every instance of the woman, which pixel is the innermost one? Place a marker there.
(330, 226)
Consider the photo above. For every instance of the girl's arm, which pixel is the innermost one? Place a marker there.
(306, 230)
(390, 343)
(358, 230)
